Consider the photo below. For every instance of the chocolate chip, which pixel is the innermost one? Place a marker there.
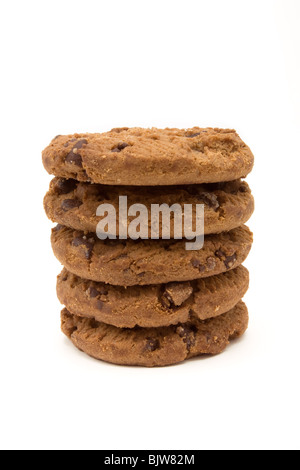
(210, 200)
(74, 159)
(211, 263)
(152, 344)
(92, 292)
(243, 188)
(57, 136)
(208, 338)
(69, 204)
(181, 331)
(198, 265)
(78, 241)
(79, 144)
(87, 242)
(230, 261)
(166, 300)
(100, 305)
(120, 147)
(58, 228)
(191, 136)
(64, 186)
(221, 255)
(187, 332)
(69, 142)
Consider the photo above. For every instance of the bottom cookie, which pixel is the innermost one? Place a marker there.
(155, 347)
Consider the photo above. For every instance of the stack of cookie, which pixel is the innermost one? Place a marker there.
(151, 302)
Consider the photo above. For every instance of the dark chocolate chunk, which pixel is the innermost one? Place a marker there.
(79, 144)
(152, 344)
(191, 136)
(166, 300)
(87, 242)
(64, 186)
(69, 204)
(196, 264)
(187, 332)
(210, 200)
(221, 255)
(74, 158)
(121, 146)
(58, 228)
(230, 261)
(243, 188)
(69, 142)
(92, 292)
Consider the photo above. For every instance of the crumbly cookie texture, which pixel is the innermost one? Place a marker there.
(150, 157)
(153, 347)
(147, 262)
(152, 306)
(73, 204)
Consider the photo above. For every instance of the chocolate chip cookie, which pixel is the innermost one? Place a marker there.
(152, 306)
(150, 157)
(147, 262)
(74, 204)
(153, 347)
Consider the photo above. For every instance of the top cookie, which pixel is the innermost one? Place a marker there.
(150, 157)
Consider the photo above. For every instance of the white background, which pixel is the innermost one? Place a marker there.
(70, 66)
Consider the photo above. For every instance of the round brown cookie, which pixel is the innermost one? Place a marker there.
(150, 157)
(74, 204)
(152, 306)
(153, 347)
(146, 262)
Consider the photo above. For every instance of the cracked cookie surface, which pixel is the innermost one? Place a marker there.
(74, 204)
(152, 306)
(150, 157)
(154, 347)
(147, 262)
